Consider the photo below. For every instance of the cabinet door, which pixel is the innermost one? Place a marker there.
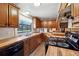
(32, 43)
(44, 24)
(75, 9)
(13, 16)
(26, 47)
(38, 23)
(39, 40)
(3, 14)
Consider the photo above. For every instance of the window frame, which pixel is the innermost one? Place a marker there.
(25, 33)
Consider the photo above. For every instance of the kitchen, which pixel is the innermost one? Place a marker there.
(28, 29)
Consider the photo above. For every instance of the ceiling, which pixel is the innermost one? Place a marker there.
(45, 10)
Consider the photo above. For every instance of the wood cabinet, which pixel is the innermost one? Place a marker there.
(36, 22)
(26, 47)
(30, 44)
(3, 15)
(44, 24)
(75, 9)
(13, 16)
(38, 39)
(34, 42)
(75, 14)
(8, 15)
(43, 37)
(49, 24)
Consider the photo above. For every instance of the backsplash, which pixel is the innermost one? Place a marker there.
(7, 33)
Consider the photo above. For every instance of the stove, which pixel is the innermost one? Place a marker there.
(61, 42)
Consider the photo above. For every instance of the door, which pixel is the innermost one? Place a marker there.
(13, 16)
(3, 14)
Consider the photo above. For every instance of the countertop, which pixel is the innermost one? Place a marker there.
(55, 34)
(57, 51)
(6, 42)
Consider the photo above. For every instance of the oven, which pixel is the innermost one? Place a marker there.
(71, 41)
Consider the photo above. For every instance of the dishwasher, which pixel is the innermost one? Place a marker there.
(15, 49)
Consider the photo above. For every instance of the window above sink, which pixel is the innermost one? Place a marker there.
(25, 25)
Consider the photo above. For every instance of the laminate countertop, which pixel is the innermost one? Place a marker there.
(57, 51)
(6, 42)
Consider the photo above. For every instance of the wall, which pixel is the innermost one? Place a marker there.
(7, 33)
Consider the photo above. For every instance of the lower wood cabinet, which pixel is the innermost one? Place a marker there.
(26, 47)
(34, 42)
(43, 37)
(30, 44)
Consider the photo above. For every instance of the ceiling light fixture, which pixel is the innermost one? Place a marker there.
(36, 4)
(27, 12)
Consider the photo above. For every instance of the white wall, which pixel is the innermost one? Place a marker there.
(7, 33)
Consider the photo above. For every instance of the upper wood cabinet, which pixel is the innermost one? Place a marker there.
(75, 9)
(75, 14)
(36, 22)
(13, 16)
(44, 24)
(49, 24)
(8, 15)
(3, 14)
